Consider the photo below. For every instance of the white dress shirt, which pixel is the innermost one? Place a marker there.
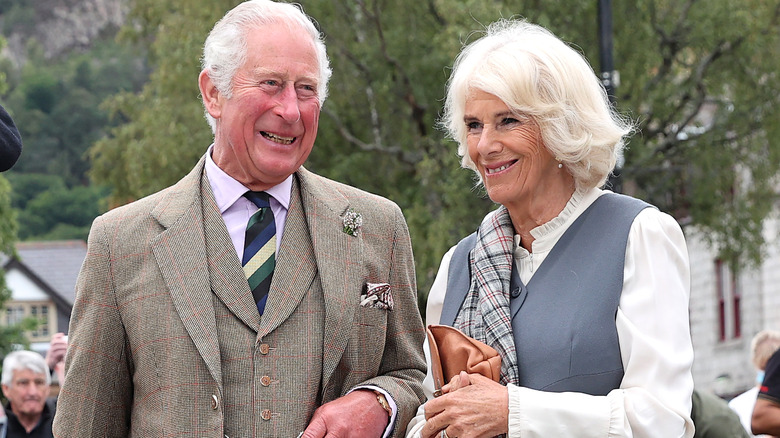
(654, 397)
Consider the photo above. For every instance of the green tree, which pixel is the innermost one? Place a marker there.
(707, 103)
(58, 106)
(75, 207)
(166, 133)
(27, 186)
(74, 210)
(704, 103)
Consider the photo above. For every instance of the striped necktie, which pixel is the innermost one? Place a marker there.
(260, 248)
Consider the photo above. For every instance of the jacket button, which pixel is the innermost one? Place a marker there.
(265, 380)
(265, 414)
(264, 349)
(214, 402)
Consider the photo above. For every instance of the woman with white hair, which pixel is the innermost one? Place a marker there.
(583, 292)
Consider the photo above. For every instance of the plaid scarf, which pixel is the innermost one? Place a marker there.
(485, 311)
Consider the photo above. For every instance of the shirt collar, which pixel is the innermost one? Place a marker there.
(227, 190)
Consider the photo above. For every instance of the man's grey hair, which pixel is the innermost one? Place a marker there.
(225, 50)
(24, 360)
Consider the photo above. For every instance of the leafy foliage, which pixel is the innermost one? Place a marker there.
(166, 133)
(706, 103)
(56, 105)
(50, 210)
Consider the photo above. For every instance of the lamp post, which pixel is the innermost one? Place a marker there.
(605, 48)
(609, 76)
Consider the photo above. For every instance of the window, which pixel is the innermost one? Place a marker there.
(41, 313)
(729, 298)
(44, 312)
(14, 314)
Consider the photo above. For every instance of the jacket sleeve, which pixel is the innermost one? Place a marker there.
(96, 396)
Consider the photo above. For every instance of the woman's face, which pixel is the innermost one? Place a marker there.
(508, 151)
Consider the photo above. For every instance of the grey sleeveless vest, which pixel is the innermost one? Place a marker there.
(563, 321)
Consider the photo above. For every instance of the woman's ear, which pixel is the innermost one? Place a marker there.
(211, 96)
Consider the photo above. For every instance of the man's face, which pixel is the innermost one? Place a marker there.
(27, 392)
(266, 130)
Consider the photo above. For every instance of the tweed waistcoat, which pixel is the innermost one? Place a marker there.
(272, 382)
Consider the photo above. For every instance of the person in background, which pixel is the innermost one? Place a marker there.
(583, 292)
(55, 356)
(26, 382)
(766, 413)
(762, 346)
(10, 141)
(3, 422)
(713, 419)
(253, 298)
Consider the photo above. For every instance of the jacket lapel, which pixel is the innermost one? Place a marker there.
(338, 258)
(181, 255)
(227, 278)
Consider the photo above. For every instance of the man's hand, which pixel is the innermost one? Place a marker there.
(357, 414)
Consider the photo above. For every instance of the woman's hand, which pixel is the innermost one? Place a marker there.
(472, 406)
(456, 383)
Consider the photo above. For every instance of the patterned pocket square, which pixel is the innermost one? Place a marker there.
(378, 296)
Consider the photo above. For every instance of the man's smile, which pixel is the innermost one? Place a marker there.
(277, 138)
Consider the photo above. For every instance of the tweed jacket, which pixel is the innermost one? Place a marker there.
(165, 339)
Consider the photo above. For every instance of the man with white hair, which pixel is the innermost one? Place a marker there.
(253, 298)
(26, 382)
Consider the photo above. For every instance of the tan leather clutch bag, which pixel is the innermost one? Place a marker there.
(453, 352)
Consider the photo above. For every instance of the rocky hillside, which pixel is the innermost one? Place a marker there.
(59, 25)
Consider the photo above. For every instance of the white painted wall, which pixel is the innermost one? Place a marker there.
(22, 288)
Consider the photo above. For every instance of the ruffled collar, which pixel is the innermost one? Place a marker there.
(547, 234)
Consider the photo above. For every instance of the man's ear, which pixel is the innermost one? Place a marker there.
(210, 95)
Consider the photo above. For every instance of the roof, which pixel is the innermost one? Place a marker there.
(57, 263)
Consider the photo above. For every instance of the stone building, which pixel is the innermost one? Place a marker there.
(727, 310)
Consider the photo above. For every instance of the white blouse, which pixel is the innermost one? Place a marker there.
(654, 397)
